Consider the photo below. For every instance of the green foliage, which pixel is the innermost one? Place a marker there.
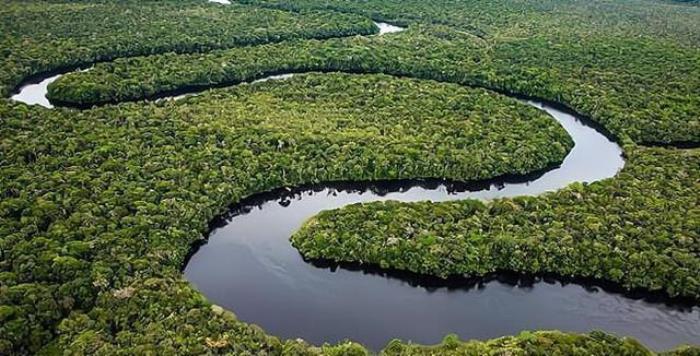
(98, 200)
(687, 350)
(639, 86)
(499, 19)
(37, 37)
(160, 316)
(527, 343)
(640, 229)
(99, 208)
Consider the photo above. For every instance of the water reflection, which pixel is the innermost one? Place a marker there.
(249, 266)
(385, 28)
(34, 92)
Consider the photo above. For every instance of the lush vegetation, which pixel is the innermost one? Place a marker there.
(99, 208)
(641, 230)
(535, 343)
(527, 343)
(641, 87)
(39, 36)
(96, 202)
(500, 20)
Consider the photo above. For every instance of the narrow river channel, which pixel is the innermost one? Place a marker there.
(248, 265)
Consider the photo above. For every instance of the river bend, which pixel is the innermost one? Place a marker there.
(248, 265)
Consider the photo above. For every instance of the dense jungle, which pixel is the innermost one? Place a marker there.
(165, 115)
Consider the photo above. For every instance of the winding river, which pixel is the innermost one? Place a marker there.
(249, 266)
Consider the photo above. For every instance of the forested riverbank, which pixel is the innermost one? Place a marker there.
(39, 37)
(186, 161)
(101, 207)
(639, 230)
(637, 88)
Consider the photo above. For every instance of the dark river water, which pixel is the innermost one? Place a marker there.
(248, 266)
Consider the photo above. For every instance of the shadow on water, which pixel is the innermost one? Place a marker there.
(520, 280)
(380, 188)
(248, 265)
(285, 196)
